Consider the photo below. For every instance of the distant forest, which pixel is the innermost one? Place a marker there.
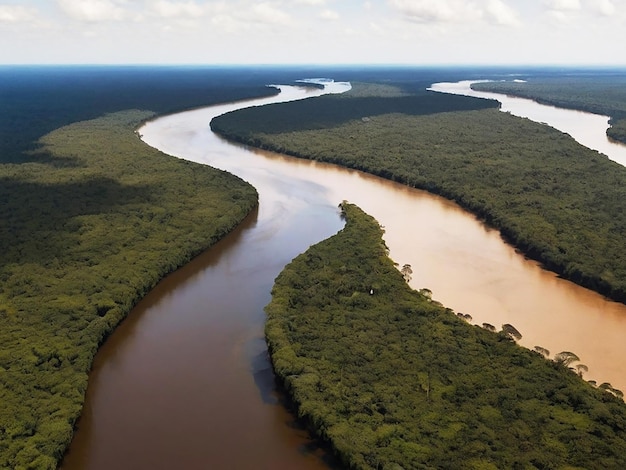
(38, 100)
(599, 93)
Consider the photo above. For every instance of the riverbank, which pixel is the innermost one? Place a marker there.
(390, 378)
(97, 219)
(557, 201)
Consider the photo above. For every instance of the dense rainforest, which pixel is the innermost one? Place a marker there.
(391, 379)
(38, 99)
(89, 226)
(599, 93)
(91, 218)
(557, 201)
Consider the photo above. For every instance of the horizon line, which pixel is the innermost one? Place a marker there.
(320, 65)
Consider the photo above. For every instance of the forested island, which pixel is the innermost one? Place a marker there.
(554, 199)
(603, 93)
(391, 379)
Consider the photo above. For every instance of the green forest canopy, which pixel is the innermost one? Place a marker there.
(392, 380)
(82, 222)
(90, 225)
(557, 201)
(90, 219)
(596, 93)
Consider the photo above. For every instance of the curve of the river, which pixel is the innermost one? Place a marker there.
(185, 381)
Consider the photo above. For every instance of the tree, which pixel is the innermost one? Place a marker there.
(607, 387)
(426, 293)
(543, 351)
(566, 358)
(465, 316)
(406, 272)
(511, 331)
(581, 369)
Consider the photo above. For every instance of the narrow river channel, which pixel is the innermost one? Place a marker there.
(586, 128)
(185, 381)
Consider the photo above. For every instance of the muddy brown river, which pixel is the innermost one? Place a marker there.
(185, 381)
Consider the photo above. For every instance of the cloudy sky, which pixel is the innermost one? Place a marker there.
(420, 32)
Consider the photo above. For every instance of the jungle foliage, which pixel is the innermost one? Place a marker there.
(39, 99)
(555, 200)
(91, 220)
(88, 226)
(360, 103)
(599, 93)
(392, 380)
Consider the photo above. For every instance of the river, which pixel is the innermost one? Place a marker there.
(185, 381)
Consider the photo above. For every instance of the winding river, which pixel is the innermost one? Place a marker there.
(185, 381)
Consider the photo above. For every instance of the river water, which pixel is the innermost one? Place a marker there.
(185, 381)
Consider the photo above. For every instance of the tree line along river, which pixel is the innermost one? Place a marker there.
(185, 381)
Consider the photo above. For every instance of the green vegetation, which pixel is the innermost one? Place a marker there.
(361, 103)
(617, 131)
(38, 100)
(390, 379)
(598, 93)
(91, 218)
(89, 225)
(554, 199)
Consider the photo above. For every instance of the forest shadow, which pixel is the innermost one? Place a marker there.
(38, 154)
(334, 110)
(35, 218)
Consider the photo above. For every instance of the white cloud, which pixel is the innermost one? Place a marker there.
(502, 14)
(437, 11)
(311, 2)
(329, 15)
(17, 14)
(94, 10)
(376, 28)
(270, 14)
(563, 12)
(603, 7)
(560, 17)
(227, 24)
(207, 31)
(170, 9)
(563, 5)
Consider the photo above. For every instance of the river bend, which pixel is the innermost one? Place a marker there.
(185, 381)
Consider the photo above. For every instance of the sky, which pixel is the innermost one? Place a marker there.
(404, 32)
